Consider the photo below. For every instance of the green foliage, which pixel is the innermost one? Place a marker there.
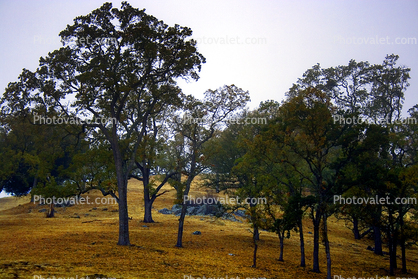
(375, 92)
(37, 154)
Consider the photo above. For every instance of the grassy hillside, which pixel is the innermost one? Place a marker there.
(10, 202)
(81, 241)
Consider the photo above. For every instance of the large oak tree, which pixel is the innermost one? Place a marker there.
(115, 63)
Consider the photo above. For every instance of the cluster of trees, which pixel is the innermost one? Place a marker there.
(309, 156)
(132, 83)
(298, 162)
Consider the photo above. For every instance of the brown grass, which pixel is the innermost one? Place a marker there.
(10, 202)
(65, 246)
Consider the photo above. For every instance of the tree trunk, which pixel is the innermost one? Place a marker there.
(123, 197)
(392, 237)
(148, 209)
(178, 186)
(256, 233)
(148, 201)
(402, 239)
(184, 207)
(123, 214)
(281, 237)
(394, 249)
(355, 228)
(395, 246)
(181, 225)
(255, 250)
(35, 182)
(377, 240)
(391, 265)
(377, 231)
(316, 224)
(302, 244)
(363, 234)
(327, 248)
(51, 211)
(404, 270)
(185, 193)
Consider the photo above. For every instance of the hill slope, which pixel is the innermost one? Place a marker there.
(81, 241)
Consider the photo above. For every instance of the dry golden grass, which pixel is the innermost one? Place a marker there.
(10, 202)
(64, 246)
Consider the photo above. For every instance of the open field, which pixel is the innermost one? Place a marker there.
(81, 241)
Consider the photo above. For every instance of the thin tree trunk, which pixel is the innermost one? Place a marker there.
(327, 248)
(391, 265)
(148, 201)
(392, 243)
(51, 211)
(377, 232)
(316, 224)
(355, 228)
(377, 240)
(404, 270)
(395, 246)
(281, 237)
(366, 232)
(184, 207)
(181, 225)
(178, 185)
(255, 250)
(302, 244)
(256, 233)
(403, 248)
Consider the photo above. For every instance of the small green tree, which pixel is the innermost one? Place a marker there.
(197, 126)
(250, 188)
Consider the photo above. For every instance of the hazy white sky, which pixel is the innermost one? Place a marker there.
(261, 46)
